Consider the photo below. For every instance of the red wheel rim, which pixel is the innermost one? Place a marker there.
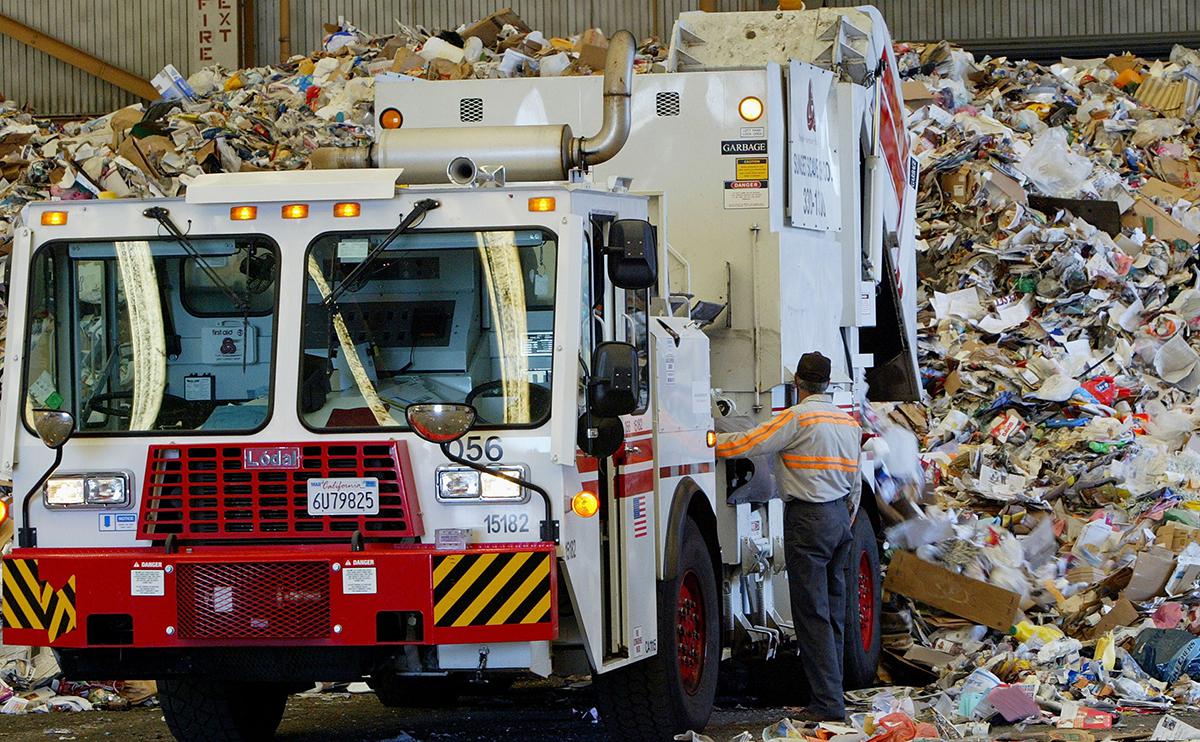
(866, 602)
(690, 632)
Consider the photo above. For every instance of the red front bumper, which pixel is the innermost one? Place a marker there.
(279, 596)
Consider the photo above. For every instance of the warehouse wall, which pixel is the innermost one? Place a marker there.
(552, 17)
(143, 35)
(137, 35)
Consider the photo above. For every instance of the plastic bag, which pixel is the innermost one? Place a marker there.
(1053, 167)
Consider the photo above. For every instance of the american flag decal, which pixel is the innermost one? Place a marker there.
(640, 525)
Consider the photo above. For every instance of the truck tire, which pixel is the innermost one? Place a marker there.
(863, 607)
(673, 691)
(203, 709)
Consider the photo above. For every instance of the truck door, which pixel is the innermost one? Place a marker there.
(626, 480)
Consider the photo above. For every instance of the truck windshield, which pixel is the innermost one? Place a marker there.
(462, 316)
(113, 340)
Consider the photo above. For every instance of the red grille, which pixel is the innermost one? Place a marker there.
(282, 600)
(206, 492)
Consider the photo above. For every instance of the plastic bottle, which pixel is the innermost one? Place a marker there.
(1025, 630)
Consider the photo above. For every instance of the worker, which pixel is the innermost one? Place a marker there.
(818, 446)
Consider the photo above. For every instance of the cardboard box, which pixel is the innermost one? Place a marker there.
(1150, 573)
(937, 586)
(1155, 221)
(1122, 614)
(959, 185)
(488, 29)
(1176, 536)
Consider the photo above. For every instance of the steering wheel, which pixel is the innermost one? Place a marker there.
(116, 404)
(539, 397)
(172, 409)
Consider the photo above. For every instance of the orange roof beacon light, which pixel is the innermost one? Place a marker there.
(54, 218)
(391, 119)
(585, 504)
(243, 213)
(750, 108)
(295, 211)
(347, 209)
(542, 203)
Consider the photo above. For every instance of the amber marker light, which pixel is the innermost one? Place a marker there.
(243, 213)
(54, 218)
(346, 209)
(750, 108)
(3, 511)
(585, 504)
(295, 211)
(542, 203)
(391, 119)
(710, 439)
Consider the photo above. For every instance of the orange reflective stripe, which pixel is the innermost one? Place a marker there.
(821, 459)
(818, 418)
(734, 447)
(822, 467)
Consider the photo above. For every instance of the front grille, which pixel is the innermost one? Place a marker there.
(205, 492)
(470, 110)
(283, 600)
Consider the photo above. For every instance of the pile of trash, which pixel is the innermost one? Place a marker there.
(271, 117)
(30, 683)
(1050, 570)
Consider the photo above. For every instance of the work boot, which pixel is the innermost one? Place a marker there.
(814, 716)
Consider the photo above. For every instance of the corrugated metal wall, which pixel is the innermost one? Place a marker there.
(137, 35)
(1020, 19)
(552, 17)
(143, 35)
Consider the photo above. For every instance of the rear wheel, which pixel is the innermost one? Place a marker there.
(863, 607)
(203, 709)
(672, 692)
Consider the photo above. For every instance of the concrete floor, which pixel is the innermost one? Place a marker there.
(524, 715)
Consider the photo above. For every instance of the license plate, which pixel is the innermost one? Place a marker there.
(343, 496)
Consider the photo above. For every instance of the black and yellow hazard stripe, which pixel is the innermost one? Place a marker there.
(491, 589)
(30, 603)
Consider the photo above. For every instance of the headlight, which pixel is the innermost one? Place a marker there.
(64, 492)
(462, 484)
(88, 490)
(458, 484)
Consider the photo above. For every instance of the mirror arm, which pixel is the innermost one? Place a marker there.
(26, 534)
(549, 526)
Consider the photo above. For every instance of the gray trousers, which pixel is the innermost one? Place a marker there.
(817, 541)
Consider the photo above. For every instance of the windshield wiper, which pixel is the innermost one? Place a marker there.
(163, 217)
(419, 210)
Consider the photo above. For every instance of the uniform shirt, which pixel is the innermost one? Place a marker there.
(818, 446)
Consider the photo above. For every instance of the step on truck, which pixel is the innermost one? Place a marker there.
(440, 411)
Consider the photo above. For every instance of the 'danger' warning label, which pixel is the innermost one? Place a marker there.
(746, 194)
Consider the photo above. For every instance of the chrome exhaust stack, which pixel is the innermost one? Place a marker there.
(527, 153)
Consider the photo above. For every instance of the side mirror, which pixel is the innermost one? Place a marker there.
(632, 254)
(54, 427)
(613, 390)
(440, 423)
(599, 437)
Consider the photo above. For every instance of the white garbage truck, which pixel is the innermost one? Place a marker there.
(441, 411)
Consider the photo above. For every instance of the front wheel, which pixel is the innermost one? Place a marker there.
(672, 692)
(203, 709)
(863, 607)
